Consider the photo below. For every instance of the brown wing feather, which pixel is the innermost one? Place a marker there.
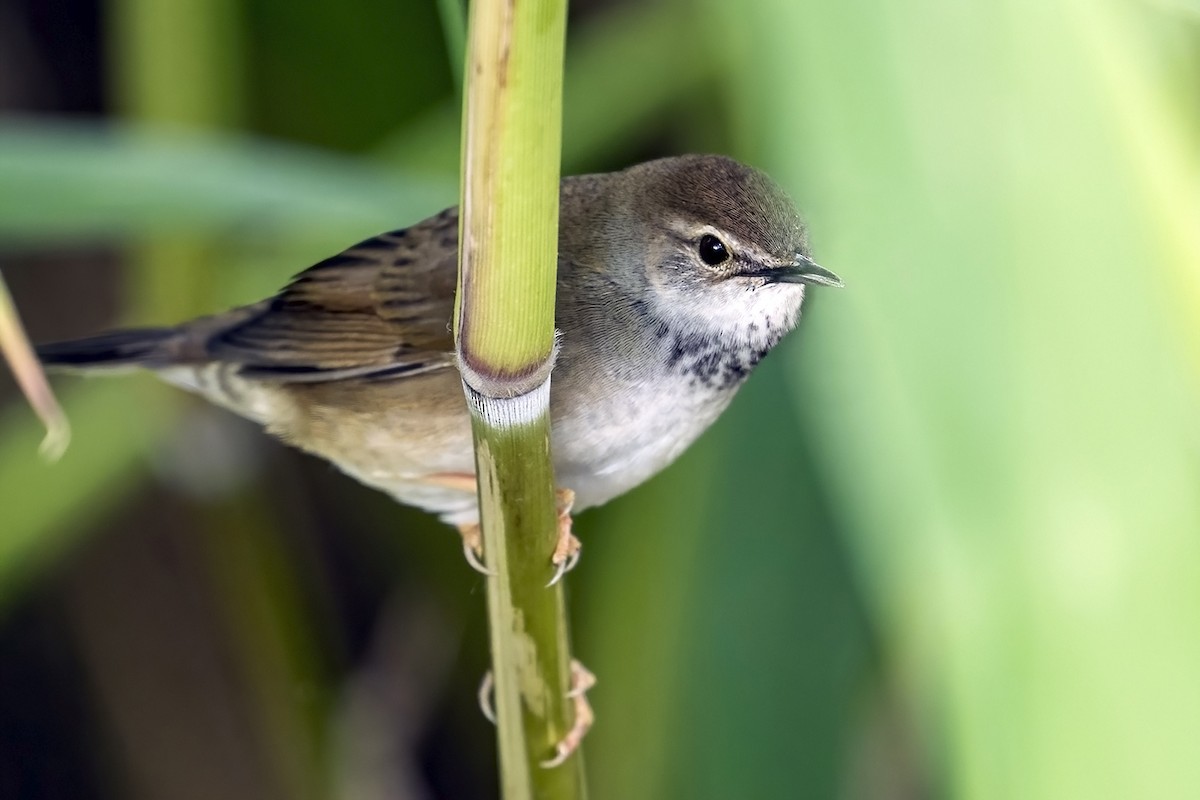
(381, 308)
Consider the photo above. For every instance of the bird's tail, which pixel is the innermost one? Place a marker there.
(117, 350)
(177, 355)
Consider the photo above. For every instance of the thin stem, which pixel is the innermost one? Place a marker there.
(15, 347)
(504, 332)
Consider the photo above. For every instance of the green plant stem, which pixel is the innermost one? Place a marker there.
(176, 65)
(529, 638)
(504, 332)
(504, 323)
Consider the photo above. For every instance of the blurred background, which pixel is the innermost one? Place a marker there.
(945, 544)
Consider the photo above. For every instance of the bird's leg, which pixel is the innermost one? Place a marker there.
(472, 536)
(581, 681)
(567, 549)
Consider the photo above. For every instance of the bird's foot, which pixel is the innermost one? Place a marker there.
(581, 681)
(472, 537)
(472, 534)
(567, 549)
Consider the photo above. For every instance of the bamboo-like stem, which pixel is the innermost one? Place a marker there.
(504, 332)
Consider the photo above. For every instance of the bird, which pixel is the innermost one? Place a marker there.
(675, 277)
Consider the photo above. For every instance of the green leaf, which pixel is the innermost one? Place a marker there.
(1004, 395)
(90, 181)
(620, 86)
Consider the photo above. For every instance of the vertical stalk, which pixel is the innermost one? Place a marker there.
(180, 64)
(175, 64)
(504, 333)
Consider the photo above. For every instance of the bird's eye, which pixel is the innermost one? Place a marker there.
(713, 250)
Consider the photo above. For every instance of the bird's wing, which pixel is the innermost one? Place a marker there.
(380, 309)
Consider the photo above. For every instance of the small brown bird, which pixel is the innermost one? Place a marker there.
(675, 278)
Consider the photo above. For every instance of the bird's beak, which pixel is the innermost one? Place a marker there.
(804, 270)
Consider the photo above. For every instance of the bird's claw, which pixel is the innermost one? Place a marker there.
(581, 680)
(568, 548)
(473, 548)
(566, 564)
(485, 697)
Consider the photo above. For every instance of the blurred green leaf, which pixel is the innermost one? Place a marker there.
(340, 78)
(1002, 401)
(453, 14)
(725, 613)
(60, 181)
(622, 79)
